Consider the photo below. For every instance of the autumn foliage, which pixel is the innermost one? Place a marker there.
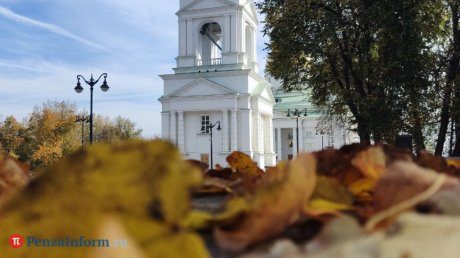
(170, 207)
(50, 132)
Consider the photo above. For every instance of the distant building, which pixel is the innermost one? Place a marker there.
(286, 122)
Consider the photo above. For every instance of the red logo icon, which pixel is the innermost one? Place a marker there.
(16, 241)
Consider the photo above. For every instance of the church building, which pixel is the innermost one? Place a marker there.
(216, 99)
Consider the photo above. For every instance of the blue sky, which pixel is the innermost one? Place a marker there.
(44, 44)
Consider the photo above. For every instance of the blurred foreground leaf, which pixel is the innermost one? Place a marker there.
(145, 185)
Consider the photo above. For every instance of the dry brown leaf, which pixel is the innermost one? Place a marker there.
(226, 173)
(243, 163)
(273, 207)
(449, 166)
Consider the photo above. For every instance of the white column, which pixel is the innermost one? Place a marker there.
(181, 132)
(227, 34)
(234, 131)
(165, 125)
(294, 142)
(247, 133)
(234, 31)
(278, 144)
(254, 46)
(182, 37)
(240, 31)
(173, 128)
(260, 133)
(190, 37)
(225, 130)
(269, 128)
(301, 139)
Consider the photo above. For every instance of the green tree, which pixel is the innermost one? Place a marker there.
(11, 136)
(119, 128)
(367, 58)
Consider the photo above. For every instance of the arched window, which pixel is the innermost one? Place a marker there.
(249, 45)
(211, 44)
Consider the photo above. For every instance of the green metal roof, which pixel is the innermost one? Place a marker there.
(294, 100)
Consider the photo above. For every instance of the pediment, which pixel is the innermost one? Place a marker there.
(206, 4)
(201, 87)
(265, 91)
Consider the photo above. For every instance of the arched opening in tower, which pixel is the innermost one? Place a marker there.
(211, 44)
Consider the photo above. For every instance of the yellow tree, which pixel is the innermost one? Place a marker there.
(11, 136)
(51, 131)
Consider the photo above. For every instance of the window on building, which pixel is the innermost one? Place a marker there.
(204, 126)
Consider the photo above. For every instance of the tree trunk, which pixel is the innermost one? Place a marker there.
(456, 117)
(444, 124)
(363, 132)
(456, 150)
(417, 134)
(451, 76)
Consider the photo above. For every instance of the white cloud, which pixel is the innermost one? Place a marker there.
(46, 26)
(131, 95)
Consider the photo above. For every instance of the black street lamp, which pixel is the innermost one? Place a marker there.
(104, 87)
(209, 127)
(298, 113)
(83, 120)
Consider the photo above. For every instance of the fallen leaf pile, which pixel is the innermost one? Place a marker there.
(359, 201)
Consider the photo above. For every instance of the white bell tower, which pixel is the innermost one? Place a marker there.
(217, 32)
(216, 82)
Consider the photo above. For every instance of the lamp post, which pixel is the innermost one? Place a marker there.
(209, 127)
(104, 87)
(322, 139)
(298, 113)
(82, 119)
